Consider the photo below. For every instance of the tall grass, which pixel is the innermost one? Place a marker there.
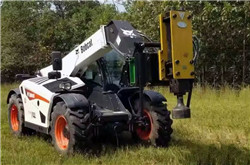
(217, 133)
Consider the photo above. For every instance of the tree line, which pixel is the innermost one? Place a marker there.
(30, 31)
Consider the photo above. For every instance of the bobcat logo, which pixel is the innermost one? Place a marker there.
(182, 15)
(129, 33)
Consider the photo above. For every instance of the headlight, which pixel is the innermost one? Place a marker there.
(65, 86)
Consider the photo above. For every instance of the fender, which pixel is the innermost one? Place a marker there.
(154, 97)
(133, 94)
(72, 100)
(13, 91)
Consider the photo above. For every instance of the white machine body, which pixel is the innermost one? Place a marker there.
(38, 93)
(38, 98)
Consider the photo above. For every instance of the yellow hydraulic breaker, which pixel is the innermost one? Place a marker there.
(175, 57)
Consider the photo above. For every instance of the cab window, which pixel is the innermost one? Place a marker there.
(114, 65)
(93, 74)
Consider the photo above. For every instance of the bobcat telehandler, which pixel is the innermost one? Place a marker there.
(98, 88)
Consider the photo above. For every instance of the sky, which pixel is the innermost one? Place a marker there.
(117, 3)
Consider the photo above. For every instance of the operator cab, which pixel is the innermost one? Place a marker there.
(106, 72)
(102, 79)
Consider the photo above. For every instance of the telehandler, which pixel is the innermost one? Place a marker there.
(99, 86)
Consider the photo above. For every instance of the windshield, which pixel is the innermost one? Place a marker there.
(114, 64)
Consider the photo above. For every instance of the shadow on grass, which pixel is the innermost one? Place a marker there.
(194, 153)
(222, 154)
(191, 152)
(97, 146)
(108, 144)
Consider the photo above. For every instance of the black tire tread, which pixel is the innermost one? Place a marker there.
(164, 122)
(74, 118)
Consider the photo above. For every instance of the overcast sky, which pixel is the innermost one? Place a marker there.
(118, 4)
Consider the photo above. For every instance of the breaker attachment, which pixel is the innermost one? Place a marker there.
(176, 58)
(174, 64)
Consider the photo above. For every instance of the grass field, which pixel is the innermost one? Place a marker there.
(218, 133)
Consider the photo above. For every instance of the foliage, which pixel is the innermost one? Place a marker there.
(18, 40)
(31, 30)
(223, 30)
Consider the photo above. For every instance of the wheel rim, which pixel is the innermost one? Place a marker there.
(14, 118)
(145, 132)
(60, 127)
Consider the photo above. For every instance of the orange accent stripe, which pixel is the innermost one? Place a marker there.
(36, 96)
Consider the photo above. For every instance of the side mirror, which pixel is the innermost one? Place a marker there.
(57, 65)
(56, 60)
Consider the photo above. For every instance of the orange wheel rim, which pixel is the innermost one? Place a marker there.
(14, 118)
(60, 128)
(144, 133)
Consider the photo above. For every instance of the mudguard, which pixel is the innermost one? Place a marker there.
(72, 100)
(132, 93)
(13, 91)
(154, 97)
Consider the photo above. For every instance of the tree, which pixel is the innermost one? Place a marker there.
(32, 30)
(18, 38)
(222, 27)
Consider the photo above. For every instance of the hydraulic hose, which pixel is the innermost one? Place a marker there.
(196, 44)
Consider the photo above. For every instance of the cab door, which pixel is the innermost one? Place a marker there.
(102, 79)
(95, 82)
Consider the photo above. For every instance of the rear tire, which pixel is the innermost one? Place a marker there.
(67, 128)
(16, 116)
(158, 132)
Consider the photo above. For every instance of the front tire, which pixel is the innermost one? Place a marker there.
(158, 129)
(16, 116)
(67, 128)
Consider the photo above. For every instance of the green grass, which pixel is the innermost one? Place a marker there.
(217, 133)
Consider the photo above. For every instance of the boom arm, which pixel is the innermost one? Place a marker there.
(86, 53)
(118, 35)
